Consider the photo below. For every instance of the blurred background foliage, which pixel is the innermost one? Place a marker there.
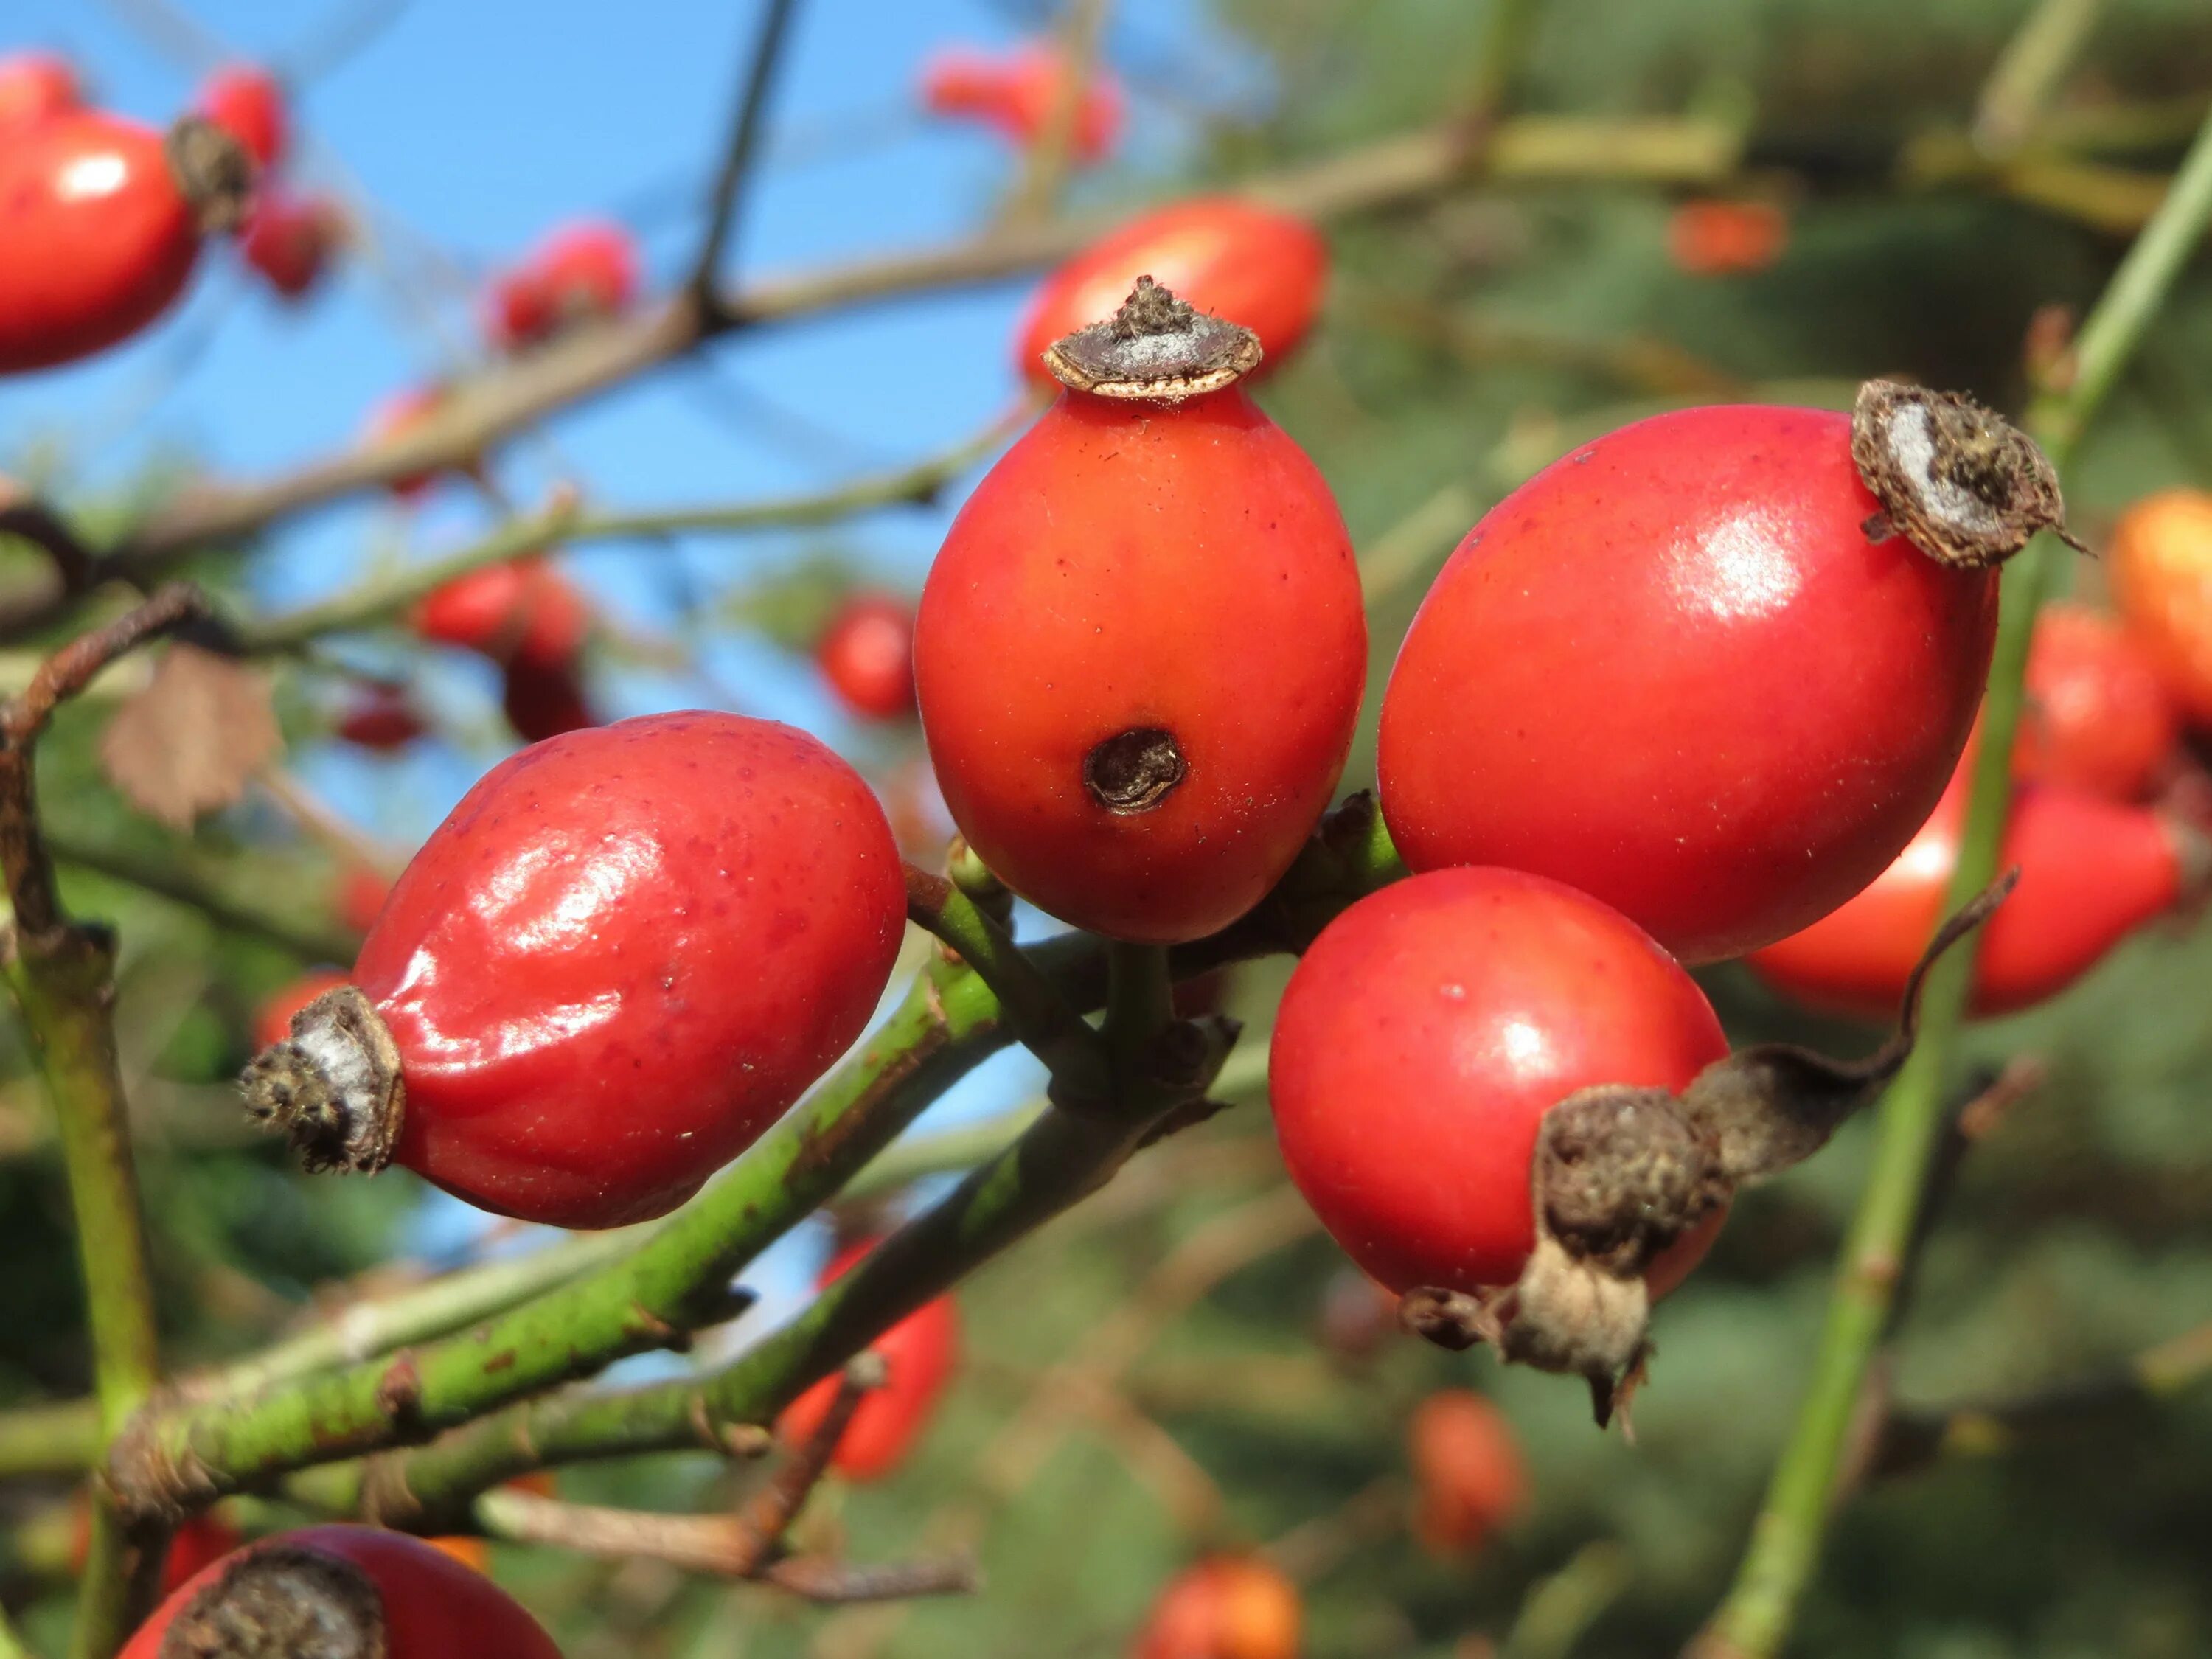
(1147, 1378)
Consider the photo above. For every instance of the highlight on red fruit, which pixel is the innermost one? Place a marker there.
(543, 701)
(35, 85)
(1726, 239)
(866, 653)
(522, 611)
(1108, 747)
(1016, 93)
(343, 1589)
(1256, 266)
(289, 239)
(1431, 1027)
(273, 1023)
(919, 1354)
(2092, 871)
(2098, 717)
(380, 718)
(100, 217)
(203, 1537)
(1225, 1607)
(582, 272)
(245, 100)
(556, 984)
(1470, 1479)
(1697, 668)
(361, 895)
(2160, 554)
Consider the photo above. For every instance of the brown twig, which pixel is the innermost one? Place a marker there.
(1045, 165)
(776, 1505)
(25, 516)
(738, 158)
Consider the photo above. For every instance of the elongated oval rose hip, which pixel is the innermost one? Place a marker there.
(1141, 651)
(625, 953)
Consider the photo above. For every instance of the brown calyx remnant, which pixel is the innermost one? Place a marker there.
(280, 1602)
(1156, 347)
(333, 1085)
(1134, 771)
(1621, 1173)
(1957, 481)
(213, 172)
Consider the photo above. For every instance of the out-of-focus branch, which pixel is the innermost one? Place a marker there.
(739, 156)
(1045, 164)
(183, 876)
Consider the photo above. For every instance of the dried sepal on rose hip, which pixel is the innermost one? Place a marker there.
(1715, 667)
(623, 956)
(1141, 651)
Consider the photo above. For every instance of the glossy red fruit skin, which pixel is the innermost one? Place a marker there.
(100, 240)
(866, 653)
(1225, 1607)
(1469, 1471)
(582, 272)
(919, 1354)
(434, 1607)
(274, 1020)
(247, 103)
(381, 719)
(35, 85)
(2098, 715)
(1671, 670)
(625, 953)
(2092, 871)
(1256, 266)
(1127, 567)
(541, 702)
(521, 611)
(289, 239)
(1422, 1039)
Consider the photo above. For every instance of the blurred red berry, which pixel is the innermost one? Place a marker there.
(1469, 1471)
(2098, 715)
(2161, 573)
(866, 653)
(919, 1354)
(361, 893)
(272, 1023)
(289, 239)
(1017, 92)
(35, 85)
(543, 701)
(246, 102)
(1726, 239)
(382, 717)
(583, 272)
(203, 1540)
(523, 610)
(1224, 1607)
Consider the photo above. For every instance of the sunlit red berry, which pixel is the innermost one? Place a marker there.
(2098, 717)
(1226, 1607)
(1726, 239)
(1470, 1479)
(1255, 265)
(2092, 871)
(522, 611)
(623, 956)
(381, 718)
(582, 272)
(1017, 93)
(2160, 554)
(273, 1023)
(246, 102)
(1431, 1027)
(866, 653)
(35, 85)
(100, 232)
(1678, 670)
(1139, 655)
(289, 239)
(919, 1354)
(344, 1591)
(542, 701)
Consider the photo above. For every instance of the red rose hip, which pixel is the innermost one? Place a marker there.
(625, 953)
(919, 1354)
(2098, 716)
(866, 653)
(245, 100)
(1141, 651)
(1702, 672)
(35, 85)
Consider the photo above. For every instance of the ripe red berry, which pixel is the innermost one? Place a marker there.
(1255, 265)
(1468, 1473)
(289, 239)
(1431, 1027)
(361, 893)
(2092, 871)
(101, 219)
(246, 102)
(541, 701)
(866, 653)
(1226, 1607)
(583, 272)
(342, 1593)
(273, 1023)
(523, 610)
(2162, 575)
(35, 85)
(1726, 239)
(1692, 670)
(622, 956)
(2098, 716)
(1141, 648)
(1018, 92)
(381, 718)
(202, 1539)
(919, 1354)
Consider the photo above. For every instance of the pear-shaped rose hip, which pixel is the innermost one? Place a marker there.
(622, 956)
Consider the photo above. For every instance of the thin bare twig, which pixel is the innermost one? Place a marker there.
(745, 146)
(1051, 153)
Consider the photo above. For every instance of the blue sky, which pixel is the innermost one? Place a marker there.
(474, 127)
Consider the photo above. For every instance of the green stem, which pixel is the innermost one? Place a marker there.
(180, 875)
(1754, 1620)
(1140, 1004)
(12, 1646)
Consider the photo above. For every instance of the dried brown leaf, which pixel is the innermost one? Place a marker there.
(188, 743)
